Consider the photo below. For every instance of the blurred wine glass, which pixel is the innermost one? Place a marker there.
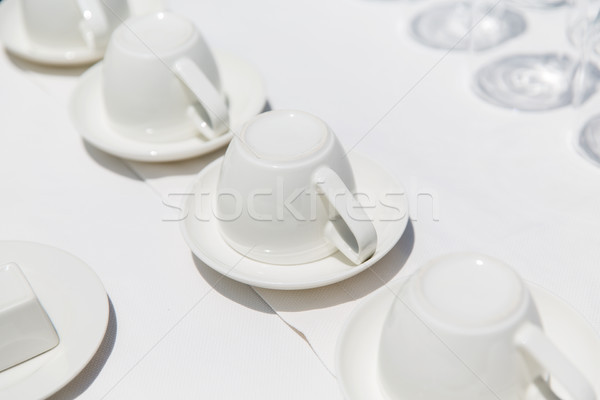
(588, 141)
(584, 33)
(545, 72)
(450, 25)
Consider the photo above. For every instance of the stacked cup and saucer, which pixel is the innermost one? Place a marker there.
(287, 208)
(467, 327)
(60, 32)
(161, 94)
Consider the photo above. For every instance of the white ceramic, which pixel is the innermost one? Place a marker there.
(77, 305)
(71, 24)
(358, 344)
(285, 193)
(160, 81)
(25, 329)
(59, 32)
(241, 83)
(200, 229)
(467, 322)
(465, 326)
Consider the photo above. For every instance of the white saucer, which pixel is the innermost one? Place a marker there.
(357, 346)
(75, 301)
(15, 39)
(203, 237)
(242, 84)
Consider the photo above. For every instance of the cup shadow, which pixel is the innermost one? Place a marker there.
(46, 69)
(351, 289)
(89, 374)
(231, 289)
(355, 288)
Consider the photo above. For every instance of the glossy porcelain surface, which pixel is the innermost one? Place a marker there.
(66, 24)
(16, 39)
(200, 229)
(25, 329)
(455, 323)
(269, 205)
(278, 151)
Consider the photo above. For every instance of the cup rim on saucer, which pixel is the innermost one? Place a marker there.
(241, 82)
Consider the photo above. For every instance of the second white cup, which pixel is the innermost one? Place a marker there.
(160, 81)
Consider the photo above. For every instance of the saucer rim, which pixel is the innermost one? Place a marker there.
(156, 151)
(386, 294)
(29, 385)
(16, 41)
(214, 167)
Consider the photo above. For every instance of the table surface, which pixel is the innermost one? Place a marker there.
(479, 178)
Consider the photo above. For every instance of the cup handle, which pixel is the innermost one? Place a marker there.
(353, 235)
(207, 95)
(531, 340)
(94, 25)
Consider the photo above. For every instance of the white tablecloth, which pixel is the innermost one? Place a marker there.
(479, 178)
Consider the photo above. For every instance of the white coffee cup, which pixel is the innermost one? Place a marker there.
(69, 24)
(160, 81)
(281, 181)
(464, 327)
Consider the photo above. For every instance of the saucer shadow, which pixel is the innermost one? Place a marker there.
(91, 371)
(185, 167)
(357, 287)
(110, 162)
(46, 69)
(231, 289)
